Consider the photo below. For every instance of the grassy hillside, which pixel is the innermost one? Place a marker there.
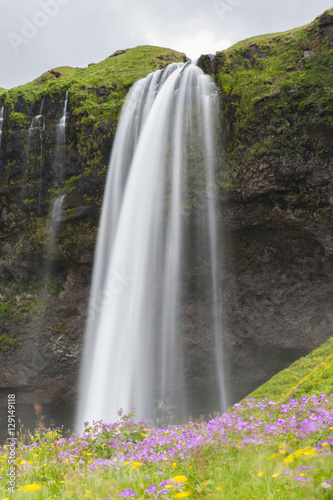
(308, 375)
(97, 91)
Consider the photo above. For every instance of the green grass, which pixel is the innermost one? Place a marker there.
(311, 374)
(258, 450)
(116, 74)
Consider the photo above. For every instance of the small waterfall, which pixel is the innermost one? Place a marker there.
(57, 212)
(34, 168)
(57, 215)
(156, 270)
(1, 123)
(59, 163)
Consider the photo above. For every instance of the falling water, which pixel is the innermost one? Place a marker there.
(59, 164)
(35, 160)
(156, 261)
(1, 123)
(58, 212)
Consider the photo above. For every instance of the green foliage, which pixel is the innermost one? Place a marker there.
(54, 287)
(7, 342)
(101, 434)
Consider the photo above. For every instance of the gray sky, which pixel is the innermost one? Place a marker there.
(38, 35)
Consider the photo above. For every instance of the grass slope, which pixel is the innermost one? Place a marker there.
(311, 374)
(99, 90)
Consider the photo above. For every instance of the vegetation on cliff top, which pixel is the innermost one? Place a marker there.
(277, 94)
(97, 91)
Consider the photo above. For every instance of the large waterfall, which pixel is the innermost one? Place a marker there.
(156, 270)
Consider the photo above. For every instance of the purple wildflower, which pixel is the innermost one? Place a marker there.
(127, 493)
(152, 488)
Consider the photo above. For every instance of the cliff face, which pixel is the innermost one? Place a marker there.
(276, 193)
(277, 109)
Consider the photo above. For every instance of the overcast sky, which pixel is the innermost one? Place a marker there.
(38, 35)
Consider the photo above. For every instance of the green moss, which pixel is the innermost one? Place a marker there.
(7, 342)
(54, 287)
(308, 375)
(19, 119)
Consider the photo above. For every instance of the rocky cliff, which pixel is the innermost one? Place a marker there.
(276, 197)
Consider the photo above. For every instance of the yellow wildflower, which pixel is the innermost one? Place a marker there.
(182, 494)
(179, 479)
(136, 464)
(310, 452)
(32, 487)
(260, 474)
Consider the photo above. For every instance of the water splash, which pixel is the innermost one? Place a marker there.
(156, 259)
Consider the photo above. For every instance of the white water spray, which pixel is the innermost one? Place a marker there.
(157, 258)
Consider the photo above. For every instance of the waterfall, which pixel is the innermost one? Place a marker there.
(57, 212)
(156, 265)
(35, 160)
(60, 144)
(1, 123)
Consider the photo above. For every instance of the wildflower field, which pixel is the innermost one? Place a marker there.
(260, 449)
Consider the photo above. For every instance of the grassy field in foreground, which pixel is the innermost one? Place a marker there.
(258, 449)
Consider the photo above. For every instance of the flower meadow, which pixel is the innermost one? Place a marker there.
(258, 449)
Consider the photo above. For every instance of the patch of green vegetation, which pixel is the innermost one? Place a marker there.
(7, 342)
(54, 287)
(19, 119)
(311, 374)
